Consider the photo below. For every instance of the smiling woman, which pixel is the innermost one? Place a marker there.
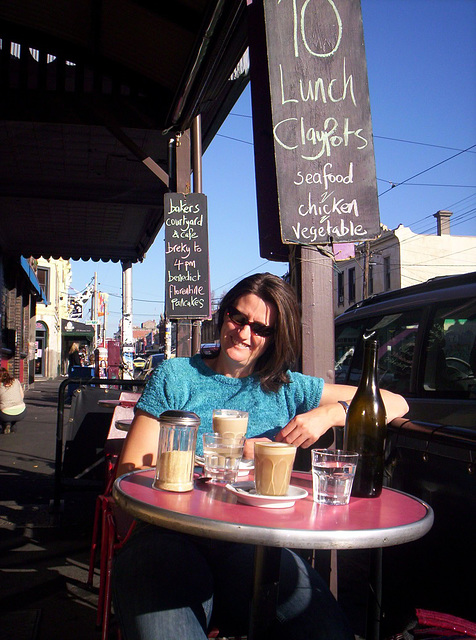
(253, 371)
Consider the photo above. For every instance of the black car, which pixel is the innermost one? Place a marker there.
(427, 353)
(153, 361)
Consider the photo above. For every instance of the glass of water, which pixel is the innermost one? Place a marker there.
(222, 457)
(333, 473)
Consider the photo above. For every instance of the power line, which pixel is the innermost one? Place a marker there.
(424, 184)
(420, 144)
(399, 184)
(221, 135)
(423, 144)
(243, 275)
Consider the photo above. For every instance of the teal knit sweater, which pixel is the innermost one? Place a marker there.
(189, 384)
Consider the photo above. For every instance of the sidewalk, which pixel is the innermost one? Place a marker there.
(43, 558)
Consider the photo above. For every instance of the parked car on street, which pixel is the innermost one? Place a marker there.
(209, 348)
(139, 362)
(427, 353)
(153, 361)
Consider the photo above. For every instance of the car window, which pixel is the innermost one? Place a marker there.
(347, 337)
(450, 348)
(396, 335)
(157, 359)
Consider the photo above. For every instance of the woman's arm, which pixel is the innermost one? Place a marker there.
(140, 447)
(304, 429)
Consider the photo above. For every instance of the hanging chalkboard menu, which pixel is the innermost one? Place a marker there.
(187, 290)
(321, 121)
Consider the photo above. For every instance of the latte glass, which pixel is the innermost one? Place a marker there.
(273, 466)
(230, 423)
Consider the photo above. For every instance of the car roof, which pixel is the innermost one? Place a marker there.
(433, 290)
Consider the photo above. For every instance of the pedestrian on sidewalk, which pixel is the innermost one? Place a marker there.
(12, 407)
(74, 357)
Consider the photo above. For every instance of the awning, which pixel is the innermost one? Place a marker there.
(36, 289)
(92, 93)
(74, 329)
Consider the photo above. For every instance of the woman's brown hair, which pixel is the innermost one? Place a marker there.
(5, 378)
(285, 345)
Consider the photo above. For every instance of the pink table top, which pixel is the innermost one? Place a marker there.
(129, 398)
(212, 511)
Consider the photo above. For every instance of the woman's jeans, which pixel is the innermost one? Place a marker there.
(168, 585)
(8, 418)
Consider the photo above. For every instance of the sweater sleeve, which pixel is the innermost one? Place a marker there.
(306, 390)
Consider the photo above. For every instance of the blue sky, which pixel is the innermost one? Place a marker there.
(421, 63)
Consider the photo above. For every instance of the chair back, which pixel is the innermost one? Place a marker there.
(85, 435)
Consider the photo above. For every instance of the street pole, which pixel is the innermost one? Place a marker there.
(168, 339)
(94, 310)
(197, 188)
(127, 336)
(365, 284)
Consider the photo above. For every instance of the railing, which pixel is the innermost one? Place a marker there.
(432, 433)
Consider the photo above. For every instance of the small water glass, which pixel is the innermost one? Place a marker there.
(333, 473)
(222, 457)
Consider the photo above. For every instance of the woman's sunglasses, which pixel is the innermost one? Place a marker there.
(240, 320)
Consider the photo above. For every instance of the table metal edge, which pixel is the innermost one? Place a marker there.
(253, 534)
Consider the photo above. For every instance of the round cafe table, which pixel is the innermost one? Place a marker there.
(106, 402)
(213, 512)
(123, 424)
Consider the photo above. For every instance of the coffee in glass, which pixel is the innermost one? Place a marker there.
(273, 466)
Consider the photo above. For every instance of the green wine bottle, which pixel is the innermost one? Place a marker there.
(366, 427)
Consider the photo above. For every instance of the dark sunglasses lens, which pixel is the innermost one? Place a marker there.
(237, 317)
(241, 320)
(261, 330)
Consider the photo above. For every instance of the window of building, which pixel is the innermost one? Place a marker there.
(43, 276)
(340, 288)
(386, 273)
(371, 279)
(352, 284)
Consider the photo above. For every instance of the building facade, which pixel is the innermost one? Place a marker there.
(400, 258)
(19, 292)
(55, 279)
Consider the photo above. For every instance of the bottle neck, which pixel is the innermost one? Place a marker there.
(369, 369)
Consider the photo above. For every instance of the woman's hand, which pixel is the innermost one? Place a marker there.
(249, 448)
(304, 429)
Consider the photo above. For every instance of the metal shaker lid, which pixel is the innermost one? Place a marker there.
(180, 418)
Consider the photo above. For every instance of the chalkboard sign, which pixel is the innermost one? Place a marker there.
(321, 121)
(187, 289)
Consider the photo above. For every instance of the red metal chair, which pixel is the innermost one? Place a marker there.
(118, 527)
(111, 529)
(99, 519)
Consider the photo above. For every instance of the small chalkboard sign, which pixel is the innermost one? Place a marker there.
(187, 288)
(321, 121)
